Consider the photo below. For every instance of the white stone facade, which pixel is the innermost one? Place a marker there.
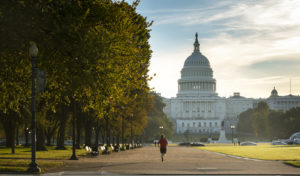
(282, 102)
(198, 108)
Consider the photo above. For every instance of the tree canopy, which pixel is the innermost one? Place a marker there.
(95, 54)
(266, 123)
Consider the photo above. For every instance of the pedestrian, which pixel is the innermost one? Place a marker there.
(163, 143)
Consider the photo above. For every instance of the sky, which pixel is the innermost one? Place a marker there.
(252, 45)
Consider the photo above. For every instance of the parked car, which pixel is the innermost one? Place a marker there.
(184, 144)
(293, 137)
(296, 141)
(278, 143)
(248, 143)
(197, 144)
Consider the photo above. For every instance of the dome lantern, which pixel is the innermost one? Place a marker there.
(274, 92)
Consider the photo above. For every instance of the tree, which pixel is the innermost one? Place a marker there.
(277, 127)
(291, 121)
(260, 120)
(245, 121)
(96, 57)
(156, 119)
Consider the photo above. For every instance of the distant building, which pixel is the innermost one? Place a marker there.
(284, 103)
(197, 108)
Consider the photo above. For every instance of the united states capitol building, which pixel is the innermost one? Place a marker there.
(197, 108)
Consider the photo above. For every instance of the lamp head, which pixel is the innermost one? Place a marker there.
(33, 50)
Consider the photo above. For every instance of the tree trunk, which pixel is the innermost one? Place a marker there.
(118, 139)
(40, 136)
(103, 138)
(73, 157)
(9, 125)
(17, 135)
(107, 132)
(61, 133)
(26, 132)
(48, 137)
(88, 132)
(113, 140)
(13, 142)
(97, 131)
(50, 132)
(78, 130)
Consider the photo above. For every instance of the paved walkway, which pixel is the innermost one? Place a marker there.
(179, 160)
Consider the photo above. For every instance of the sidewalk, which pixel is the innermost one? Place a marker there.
(179, 160)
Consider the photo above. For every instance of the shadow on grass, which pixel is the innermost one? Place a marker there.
(293, 163)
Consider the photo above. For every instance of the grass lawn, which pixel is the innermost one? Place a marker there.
(20, 165)
(20, 161)
(288, 153)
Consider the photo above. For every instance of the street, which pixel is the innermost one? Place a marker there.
(179, 160)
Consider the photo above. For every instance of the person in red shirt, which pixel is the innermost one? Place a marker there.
(163, 143)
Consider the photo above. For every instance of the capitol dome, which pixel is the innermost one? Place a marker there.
(196, 75)
(196, 59)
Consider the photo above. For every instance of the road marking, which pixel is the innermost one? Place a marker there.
(233, 156)
(206, 168)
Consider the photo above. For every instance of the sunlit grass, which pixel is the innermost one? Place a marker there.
(262, 151)
(23, 153)
(20, 165)
(19, 162)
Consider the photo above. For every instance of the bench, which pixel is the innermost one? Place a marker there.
(127, 147)
(112, 147)
(90, 151)
(122, 148)
(105, 150)
(116, 148)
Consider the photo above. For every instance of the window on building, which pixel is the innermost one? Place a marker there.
(182, 124)
(210, 124)
(216, 124)
(188, 125)
(194, 124)
(204, 124)
(199, 124)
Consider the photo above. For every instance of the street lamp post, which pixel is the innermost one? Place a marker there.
(131, 130)
(232, 128)
(122, 148)
(33, 167)
(74, 157)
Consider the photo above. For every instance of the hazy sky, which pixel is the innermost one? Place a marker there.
(252, 45)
